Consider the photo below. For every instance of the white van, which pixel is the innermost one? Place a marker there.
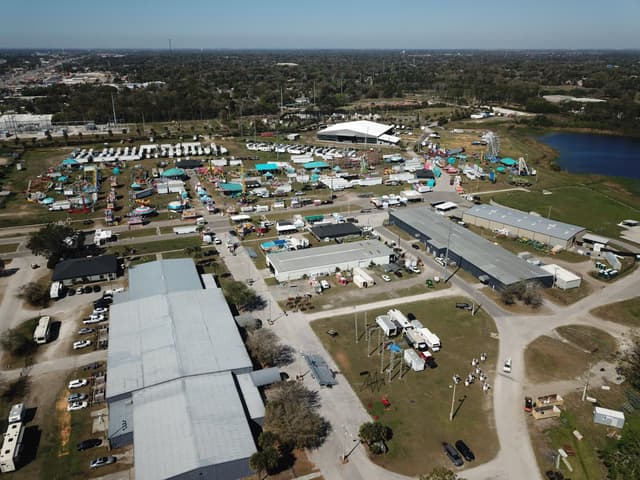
(324, 284)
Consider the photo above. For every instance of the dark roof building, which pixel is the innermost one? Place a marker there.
(488, 262)
(82, 270)
(424, 173)
(337, 230)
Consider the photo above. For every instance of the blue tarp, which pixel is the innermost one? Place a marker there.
(266, 167)
(70, 161)
(312, 165)
(173, 172)
(509, 162)
(231, 187)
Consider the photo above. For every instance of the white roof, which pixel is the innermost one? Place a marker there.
(363, 127)
(610, 413)
(560, 273)
(590, 237)
(446, 206)
(389, 138)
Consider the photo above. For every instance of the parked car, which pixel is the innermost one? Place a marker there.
(463, 306)
(77, 397)
(217, 241)
(102, 302)
(96, 288)
(416, 246)
(398, 273)
(465, 451)
(453, 454)
(86, 331)
(102, 461)
(324, 284)
(93, 319)
(386, 278)
(528, 404)
(414, 269)
(507, 366)
(81, 344)
(92, 366)
(441, 261)
(78, 382)
(88, 221)
(89, 443)
(100, 310)
(77, 406)
(71, 292)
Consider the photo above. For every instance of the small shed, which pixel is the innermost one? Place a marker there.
(610, 418)
(564, 279)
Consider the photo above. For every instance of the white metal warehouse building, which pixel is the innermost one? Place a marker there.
(522, 224)
(319, 261)
(180, 385)
(360, 131)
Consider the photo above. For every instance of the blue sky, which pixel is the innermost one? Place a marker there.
(404, 24)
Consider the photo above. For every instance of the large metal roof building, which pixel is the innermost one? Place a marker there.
(360, 131)
(324, 260)
(522, 224)
(179, 380)
(489, 262)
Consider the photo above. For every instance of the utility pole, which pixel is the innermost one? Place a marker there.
(355, 324)
(113, 106)
(381, 358)
(453, 398)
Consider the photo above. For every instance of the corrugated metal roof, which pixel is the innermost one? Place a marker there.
(492, 259)
(359, 127)
(251, 395)
(161, 277)
(202, 423)
(329, 255)
(518, 219)
(163, 337)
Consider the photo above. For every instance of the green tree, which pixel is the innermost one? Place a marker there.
(17, 343)
(291, 413)
(623, 458)
(49, 241)
(264, 460)
(372, 432)
(35, 294)
(630, 365)
(266, 348)
(239, 294)
(441, 473)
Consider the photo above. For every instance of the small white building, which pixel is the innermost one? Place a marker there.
(414, 360)
(563, 278)
(318, 261)
(610, 418)
(362, 279)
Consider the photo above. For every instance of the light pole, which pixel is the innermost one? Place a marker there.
(345, 456)
(453, 398)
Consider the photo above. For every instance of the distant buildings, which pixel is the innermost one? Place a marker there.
(360, 131)
(520, 224)
(24, 122)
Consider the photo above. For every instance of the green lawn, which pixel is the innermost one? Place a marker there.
(626, 312)
(578, 205)
(9, 247)
(142, 232)
(587, 345)
(159, 246)
(420, 401)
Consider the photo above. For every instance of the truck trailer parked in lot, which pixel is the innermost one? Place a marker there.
(388, 326)
(41, 333)
(432, 340)
(414, 339)
(414, 360)
(399, 318)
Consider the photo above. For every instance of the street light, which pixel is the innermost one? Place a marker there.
(453, 397)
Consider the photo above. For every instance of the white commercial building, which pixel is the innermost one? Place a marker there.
(360, 131)
(319, 261)
(24, 122)
(563, 278)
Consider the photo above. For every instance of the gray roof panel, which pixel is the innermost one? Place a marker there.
(518, 219)
(203, 423)
(494, 260)
(161, 277)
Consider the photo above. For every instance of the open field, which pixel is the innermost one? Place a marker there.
(143, 232)
(159, 246)
(583, 345)
(420, 401)
(9, 247)
(567, 297)
(626, 312)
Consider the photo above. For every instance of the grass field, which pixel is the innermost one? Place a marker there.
(143, 232)
(549, 435)
(9, 247)
(420, 401)
(545, 354)
(626, 312)
(567, 297)
(578, 205)
(159, 246)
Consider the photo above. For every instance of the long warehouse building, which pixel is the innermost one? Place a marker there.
(180, 384)
(490, 263)
(524, 225)
(325, 260)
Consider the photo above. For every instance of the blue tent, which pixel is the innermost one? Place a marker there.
(62, 178)
(268, 175)
(451, 160)
(231, 187)
(337, 169)
(69, 161)
(173, 172)
(315, 177)
(116, 171)
(509, 162)
(266, 167)
(500, 169)
(314, 165)
(47, 201)
(431, 182)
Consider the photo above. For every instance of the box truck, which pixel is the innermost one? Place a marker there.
(399, 318)
(414, 360)
(388, 326)
(432, 340)
(414, 339)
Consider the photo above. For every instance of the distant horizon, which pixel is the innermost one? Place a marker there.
(327, 25)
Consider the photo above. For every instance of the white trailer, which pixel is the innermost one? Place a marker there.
(414, 360)
(414, 339)
(41, 333)
(417, 324)
(399, 317)
(388, 326)
(185, 230)
(56, 289)
(11, 447)
(432, 340)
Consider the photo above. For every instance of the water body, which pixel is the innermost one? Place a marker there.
(590, 153)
